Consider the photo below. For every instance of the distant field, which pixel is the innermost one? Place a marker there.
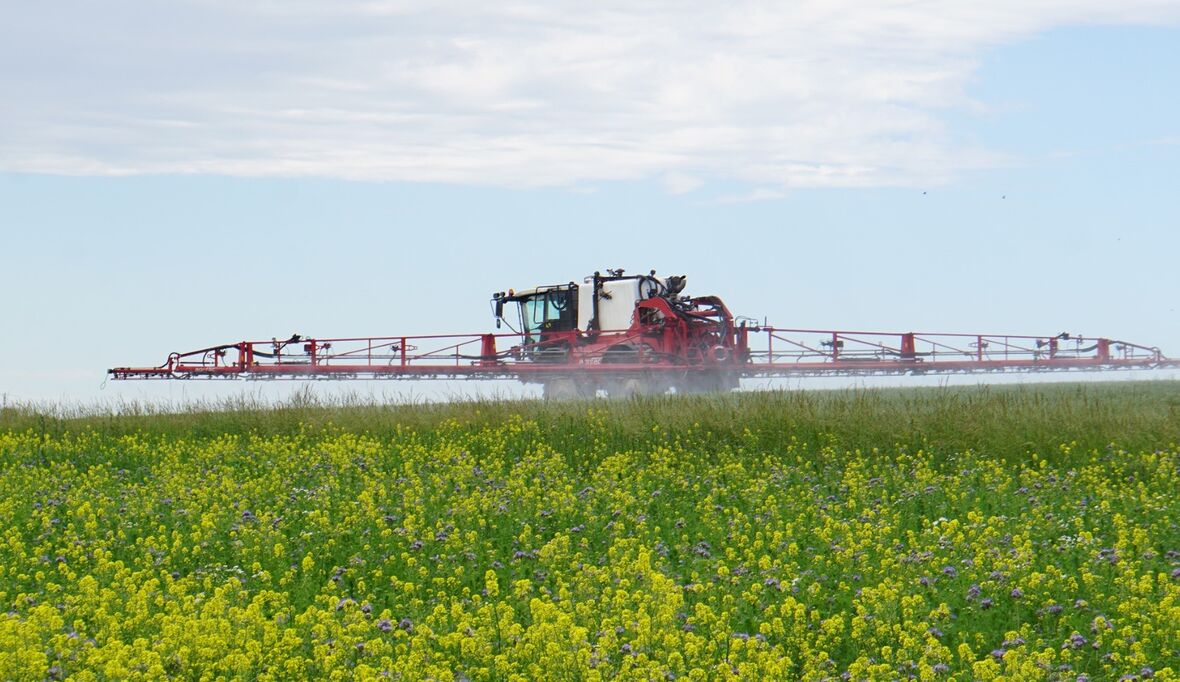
(1024, 533)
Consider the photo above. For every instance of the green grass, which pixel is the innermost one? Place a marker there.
(1005, 420)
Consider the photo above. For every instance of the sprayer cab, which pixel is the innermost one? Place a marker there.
(540, 311)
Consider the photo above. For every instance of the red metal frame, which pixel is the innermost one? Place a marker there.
(862, 352)
(656, 350)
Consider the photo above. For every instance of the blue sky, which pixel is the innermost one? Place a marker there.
(993, 170)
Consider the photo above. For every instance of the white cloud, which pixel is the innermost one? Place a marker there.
(777, 95)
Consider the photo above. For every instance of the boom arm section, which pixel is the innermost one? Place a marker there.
(745, 352)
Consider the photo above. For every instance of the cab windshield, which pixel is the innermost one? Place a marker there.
(547, 311)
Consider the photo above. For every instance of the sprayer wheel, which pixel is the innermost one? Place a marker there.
(561, 388)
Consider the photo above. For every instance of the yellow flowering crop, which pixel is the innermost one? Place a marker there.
(567, 547)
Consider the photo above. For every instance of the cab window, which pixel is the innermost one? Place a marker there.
(547, 311)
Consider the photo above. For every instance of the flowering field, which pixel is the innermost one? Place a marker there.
(1024, 534)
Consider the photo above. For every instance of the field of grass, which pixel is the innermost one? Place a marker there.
(1019, 533)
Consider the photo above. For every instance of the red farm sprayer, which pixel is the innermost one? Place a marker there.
(637, 335)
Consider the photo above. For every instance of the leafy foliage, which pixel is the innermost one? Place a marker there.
(1028, 533)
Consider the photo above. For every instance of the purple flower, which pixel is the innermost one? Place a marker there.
(384, 625)
(406, 624)
(941, 668)
(973, 592)
(1083, 678)
(998, 653)
(1016, 593)
(1176, 574)
(1055, 609)
(1146, 672)
(924, 581)
(1075, 641)
(934, 632)
(985, 603)
(949, 571)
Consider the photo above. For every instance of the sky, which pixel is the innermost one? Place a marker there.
(176, 175)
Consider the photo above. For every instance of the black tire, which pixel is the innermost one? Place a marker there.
(561, 388)
(629, 387)
(696, 383)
